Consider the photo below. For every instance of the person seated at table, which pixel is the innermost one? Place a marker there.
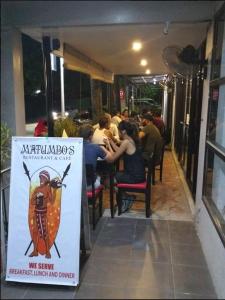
(158, 122)
(113, 129)
(134, 118)
(92, 152)
(125, 115)
(41, 128)
(100, 131)
(116, 119)
(134, 171)
(151, 139)
(105, 129)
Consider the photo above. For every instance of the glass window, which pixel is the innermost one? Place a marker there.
(33, 71)
(216, 119)
(215, 181)
(72, 90)
(104, 95)
(218, 47)
(85, 92)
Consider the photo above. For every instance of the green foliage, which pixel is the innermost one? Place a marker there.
(5, 145)
(152, 91)
(65, 123)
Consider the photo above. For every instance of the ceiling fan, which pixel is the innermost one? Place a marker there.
(180, 61)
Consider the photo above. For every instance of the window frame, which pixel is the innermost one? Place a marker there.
(210, 145)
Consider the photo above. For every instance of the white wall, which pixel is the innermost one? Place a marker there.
(213, 249)
(212, 246)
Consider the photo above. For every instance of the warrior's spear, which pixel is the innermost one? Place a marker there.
(26, 171)
(66, 172)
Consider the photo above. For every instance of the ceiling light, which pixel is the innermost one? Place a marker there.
(147, 71)
(136, 46)
(143, 62)
(154, 80)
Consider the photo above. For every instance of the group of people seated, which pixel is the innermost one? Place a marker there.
(133, 137)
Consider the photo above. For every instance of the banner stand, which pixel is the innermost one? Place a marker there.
(48, 216)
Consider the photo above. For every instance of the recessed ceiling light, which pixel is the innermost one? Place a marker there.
(136, 46)
(147, 71)
(143, 62)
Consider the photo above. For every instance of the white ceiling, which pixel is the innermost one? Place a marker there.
(111, 46)
(105, 30)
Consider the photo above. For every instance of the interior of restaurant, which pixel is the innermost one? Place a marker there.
(76, 73)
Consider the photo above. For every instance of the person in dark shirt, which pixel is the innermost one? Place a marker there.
(151, 139)
(158, 122)
(92, 152)
(134, 170)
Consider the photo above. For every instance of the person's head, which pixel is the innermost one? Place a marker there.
(128, 129)
(125, 113)
(44, 177)
(144, 111)
(86, 131)
(157, 113)
(116, 113)
(104, 122)
(133, 114)
(108, 116)
(147, 118)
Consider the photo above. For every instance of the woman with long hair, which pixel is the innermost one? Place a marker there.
(134, 170)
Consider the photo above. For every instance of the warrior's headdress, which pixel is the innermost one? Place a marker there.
(44, 174)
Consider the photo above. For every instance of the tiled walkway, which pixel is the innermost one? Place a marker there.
(134, 257)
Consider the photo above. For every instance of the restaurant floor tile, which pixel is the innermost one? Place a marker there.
(137, 258)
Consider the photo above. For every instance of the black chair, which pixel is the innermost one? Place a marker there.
(94, 194)
(143, 187)
(158, 166)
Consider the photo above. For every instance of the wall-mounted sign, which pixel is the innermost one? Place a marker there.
(44, 211)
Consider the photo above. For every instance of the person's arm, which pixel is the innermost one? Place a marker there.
(119, 151)
(116, 134)
(113, 145)
(95, 126)
(141, 134)
(108, 154)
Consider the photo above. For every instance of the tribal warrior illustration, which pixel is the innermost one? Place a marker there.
(42, 196)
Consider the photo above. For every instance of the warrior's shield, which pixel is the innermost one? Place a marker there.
(44, 219)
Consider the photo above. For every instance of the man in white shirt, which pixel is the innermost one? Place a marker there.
(100, 131)
(110, 128)
(116, 119)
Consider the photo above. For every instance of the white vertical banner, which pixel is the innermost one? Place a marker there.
(45, 210)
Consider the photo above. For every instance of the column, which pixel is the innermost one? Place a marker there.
(165, 105)
(173, 113)
(12, 86)
(96, 98)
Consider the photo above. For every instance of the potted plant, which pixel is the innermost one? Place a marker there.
(66, 124)
(5, 145)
